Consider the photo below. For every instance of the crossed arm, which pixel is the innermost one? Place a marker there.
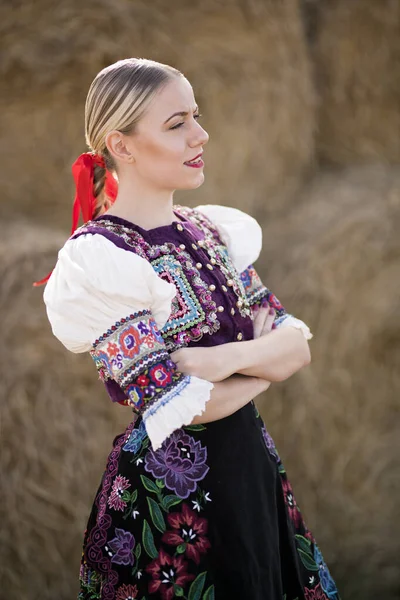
(242, 370)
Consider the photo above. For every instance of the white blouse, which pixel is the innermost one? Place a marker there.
(89, 291)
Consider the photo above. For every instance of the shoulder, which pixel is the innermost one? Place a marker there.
(95, 283)
(240, 232)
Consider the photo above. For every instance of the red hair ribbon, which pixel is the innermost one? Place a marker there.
(85, 201)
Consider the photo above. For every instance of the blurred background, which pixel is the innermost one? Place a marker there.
(301, 99)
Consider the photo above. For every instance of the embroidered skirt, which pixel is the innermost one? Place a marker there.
(209, 515)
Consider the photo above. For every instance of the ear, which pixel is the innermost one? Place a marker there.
(118, 146)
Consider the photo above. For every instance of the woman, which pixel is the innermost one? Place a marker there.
(194, 501)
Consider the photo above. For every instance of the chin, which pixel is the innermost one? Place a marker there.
(194, 183)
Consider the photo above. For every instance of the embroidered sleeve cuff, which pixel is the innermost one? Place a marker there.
(133, 354)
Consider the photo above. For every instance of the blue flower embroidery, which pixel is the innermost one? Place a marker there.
(136, 438)
(327, 583)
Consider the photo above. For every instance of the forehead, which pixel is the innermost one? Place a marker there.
(177, 95)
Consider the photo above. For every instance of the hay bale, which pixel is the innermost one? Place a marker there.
(356, 50)
(248, 63)
(57, 429)
(335, 262)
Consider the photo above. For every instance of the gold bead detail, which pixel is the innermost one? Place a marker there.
(194, 246)
(232, 311)
(211, 287)
(199, 265)
(230, 282)
(220, 309)
(225, 289)
(239, 303)
(209, 266)
(179, 227)
(182, 246)
(200, 243)
(213, 261)
(239, 336)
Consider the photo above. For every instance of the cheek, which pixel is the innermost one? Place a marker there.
(167, 150)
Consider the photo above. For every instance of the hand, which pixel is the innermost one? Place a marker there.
(213, 364)
(263, 320)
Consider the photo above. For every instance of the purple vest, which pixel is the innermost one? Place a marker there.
(213, 302)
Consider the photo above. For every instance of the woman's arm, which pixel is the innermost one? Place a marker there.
(276, 356)
(273, 357)
(230, 395)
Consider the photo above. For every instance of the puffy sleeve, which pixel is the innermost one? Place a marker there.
(111, 303)
(242, 235)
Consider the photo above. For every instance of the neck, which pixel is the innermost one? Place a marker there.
(143, 207)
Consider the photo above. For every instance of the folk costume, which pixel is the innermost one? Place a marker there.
(198, 512)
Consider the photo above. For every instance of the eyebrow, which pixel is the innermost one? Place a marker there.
(180, 114)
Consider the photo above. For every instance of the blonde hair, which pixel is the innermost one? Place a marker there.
(117, 99)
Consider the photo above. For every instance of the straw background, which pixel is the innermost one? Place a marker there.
(301, 99)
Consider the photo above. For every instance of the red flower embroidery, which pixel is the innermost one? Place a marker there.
(166, 572)
(119, 486)
(315, 594)
(274, 302)
(129, 341)
(127, 592)
(112, 349)
(189, 529)
(291, 505)
(143, 380)
(160, 375)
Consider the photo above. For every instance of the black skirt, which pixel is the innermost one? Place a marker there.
(209, 515)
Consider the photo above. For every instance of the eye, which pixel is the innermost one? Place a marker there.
(180, 124)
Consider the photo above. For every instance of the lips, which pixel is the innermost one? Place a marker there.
(193, 160)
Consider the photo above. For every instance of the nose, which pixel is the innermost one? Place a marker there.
(199, 136)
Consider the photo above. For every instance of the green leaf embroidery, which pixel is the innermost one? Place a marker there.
(138, 551)
(308, 561)
(194, 427)
(148, 540)
(209, 593)
(134, 496)
(304, 543)
(196, 588)
(156, 515)
(149, 485)
(160, 483)
(170, 500)
(181, 548)
(179, 591)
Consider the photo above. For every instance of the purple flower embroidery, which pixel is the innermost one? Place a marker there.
(122, 547)
(180, 462)
(269, 442)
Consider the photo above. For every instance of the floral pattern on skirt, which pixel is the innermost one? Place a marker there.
(155, 530)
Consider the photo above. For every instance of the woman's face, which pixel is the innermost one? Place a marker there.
(167, 137)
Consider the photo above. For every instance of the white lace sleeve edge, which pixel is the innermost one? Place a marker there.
(176, 409)
(291, 321)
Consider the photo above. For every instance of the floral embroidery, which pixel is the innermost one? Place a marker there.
(327, 583)
(133, 354)
(168, 572)
(180, 463)
(117, 500)
(270, 444)
(136, 439)
(290, 501)
(188, 533)
(122, 547)
(315, 594)
(127, 592)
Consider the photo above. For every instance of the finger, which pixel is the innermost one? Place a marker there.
(259, 321)
(269, 321)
